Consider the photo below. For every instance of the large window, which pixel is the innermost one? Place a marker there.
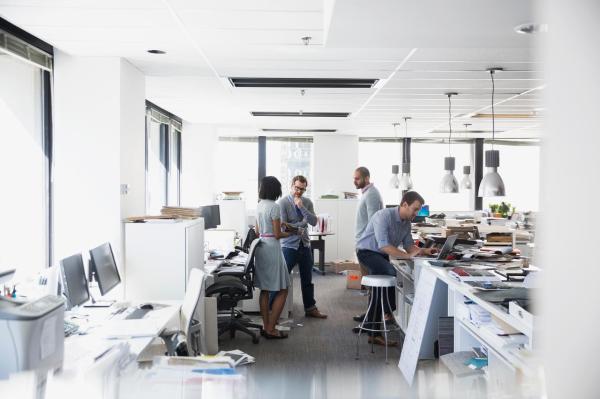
(25, 151)
(288, 157)
(237, 167)
(163, 159)
(520, 171)
(378, 157)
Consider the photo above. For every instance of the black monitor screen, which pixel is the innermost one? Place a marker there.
(103, 263)
(74, 281)
(211, 215)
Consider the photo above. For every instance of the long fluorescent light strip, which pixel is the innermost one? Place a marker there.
(303, 114)
(304, 83)
(301, 130)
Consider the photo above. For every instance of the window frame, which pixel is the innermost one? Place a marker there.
(168, 124)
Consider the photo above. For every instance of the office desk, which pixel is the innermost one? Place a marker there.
(511, 360)
(104, 332)
(319, 244)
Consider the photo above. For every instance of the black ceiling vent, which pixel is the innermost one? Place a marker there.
(300, 130)
(303, 83)
(303, 114)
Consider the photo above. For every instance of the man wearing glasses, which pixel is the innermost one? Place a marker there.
(297, 212)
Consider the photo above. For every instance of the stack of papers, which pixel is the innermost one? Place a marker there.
(479, 315)
(180, 213)
(473, 274)
(238, 358)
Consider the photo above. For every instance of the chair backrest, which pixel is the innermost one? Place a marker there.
(249, 268)
(250, 237)
(192, 302)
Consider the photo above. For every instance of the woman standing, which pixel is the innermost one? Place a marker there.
(271, 270)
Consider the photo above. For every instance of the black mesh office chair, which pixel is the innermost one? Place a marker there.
(231, 287)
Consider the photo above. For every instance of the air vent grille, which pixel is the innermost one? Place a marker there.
(300, 130)
(303, 114)
(304, 83)
(18, 48)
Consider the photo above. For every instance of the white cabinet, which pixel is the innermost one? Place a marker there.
(233, 216)
(159, 256)
(341, 245)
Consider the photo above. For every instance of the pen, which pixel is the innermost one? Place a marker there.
(98, 357)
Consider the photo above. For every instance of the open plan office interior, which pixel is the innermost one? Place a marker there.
(284, 199)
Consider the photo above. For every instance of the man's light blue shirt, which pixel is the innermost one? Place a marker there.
(386, 228)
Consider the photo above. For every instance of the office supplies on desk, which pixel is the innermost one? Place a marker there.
(31, 337)
(70, 328)
(473, 274)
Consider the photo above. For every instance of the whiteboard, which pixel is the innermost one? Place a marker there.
(416, 325)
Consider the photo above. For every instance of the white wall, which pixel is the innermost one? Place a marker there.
(199, 145)
(334, 160)
(98, 128)
(133, 140)
(570, 173)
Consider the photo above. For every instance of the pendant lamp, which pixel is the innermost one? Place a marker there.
(492, 184)
(449, 184)
(405, 180)
(466, 180)
(395, 180)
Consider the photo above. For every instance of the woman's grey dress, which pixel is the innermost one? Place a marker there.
(271, 269)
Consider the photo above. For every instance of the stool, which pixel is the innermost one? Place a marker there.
(378, 284)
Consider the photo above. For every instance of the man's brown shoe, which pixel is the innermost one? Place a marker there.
(316, 314)
(379, 340)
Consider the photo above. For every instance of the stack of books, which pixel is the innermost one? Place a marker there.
(180, 213)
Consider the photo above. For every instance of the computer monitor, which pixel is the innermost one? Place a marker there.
(211, 215)
(74, 282)
(103, 265)
(424, 211)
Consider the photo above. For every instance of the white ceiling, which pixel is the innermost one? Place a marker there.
(419, 49)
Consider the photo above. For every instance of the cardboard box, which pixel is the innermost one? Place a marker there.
(353, 279)
(340, 265)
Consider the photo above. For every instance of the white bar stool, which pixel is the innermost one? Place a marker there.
(379, 284)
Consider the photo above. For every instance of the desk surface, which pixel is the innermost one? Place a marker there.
(103, 331)
(320, 234)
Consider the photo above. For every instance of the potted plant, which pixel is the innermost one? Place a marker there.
(494, 210)
(504, 208)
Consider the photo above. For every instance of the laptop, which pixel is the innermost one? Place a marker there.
(440, 259)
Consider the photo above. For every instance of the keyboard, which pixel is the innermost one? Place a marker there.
(70, 328)
(137, 314)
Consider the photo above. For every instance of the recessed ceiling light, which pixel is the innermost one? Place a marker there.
(157, 52)
(530, 29)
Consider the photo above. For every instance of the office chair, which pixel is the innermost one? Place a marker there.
(186, 342)
(231, 287)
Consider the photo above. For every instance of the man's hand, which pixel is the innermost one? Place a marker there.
(429, 251)
(298, 202)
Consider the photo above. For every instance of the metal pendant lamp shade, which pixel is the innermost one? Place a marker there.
(449, 183)
(466, 180)
(492, 184)
(395, 181)
(405, 180)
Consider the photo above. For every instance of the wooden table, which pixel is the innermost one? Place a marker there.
(319, 244)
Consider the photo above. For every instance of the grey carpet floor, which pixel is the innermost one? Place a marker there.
(318, 358)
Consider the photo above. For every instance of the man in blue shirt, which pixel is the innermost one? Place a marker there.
(386, 231)
(297, 213)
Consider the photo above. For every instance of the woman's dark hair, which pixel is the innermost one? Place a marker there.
(270, 188)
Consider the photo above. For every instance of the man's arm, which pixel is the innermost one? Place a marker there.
(410, 253)
(308, 212)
